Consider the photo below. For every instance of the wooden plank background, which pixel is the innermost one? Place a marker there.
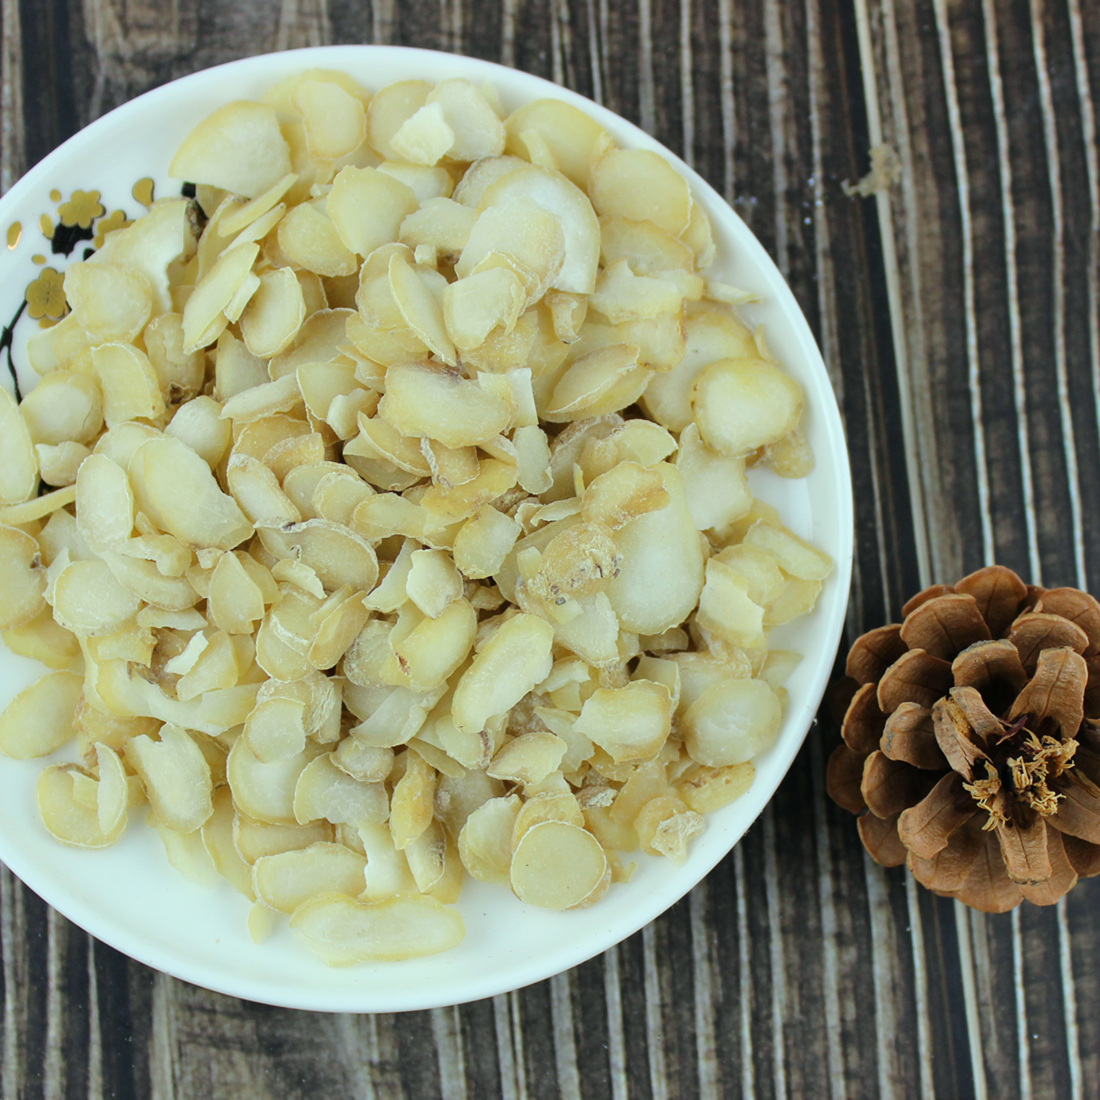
(959, 314)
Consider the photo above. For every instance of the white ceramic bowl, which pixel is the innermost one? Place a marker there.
(127, 895)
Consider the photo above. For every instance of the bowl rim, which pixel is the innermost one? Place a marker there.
(567, 955)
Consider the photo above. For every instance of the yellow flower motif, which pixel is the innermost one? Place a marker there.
(82, 209)
(46, 295)
(115, 220)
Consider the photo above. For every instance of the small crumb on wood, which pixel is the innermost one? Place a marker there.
(885, 170)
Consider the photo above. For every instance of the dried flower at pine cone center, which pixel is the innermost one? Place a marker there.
(972, 740)
(1028, 778)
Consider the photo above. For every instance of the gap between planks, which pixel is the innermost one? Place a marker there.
(922, 539)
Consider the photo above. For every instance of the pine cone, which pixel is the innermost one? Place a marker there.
(972, 740)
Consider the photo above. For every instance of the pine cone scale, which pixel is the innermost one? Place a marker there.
(944, 626)
(999, 594)
(1083, 856)
(985, 727)
(915, 677)
(889, 786)
(843, 779)
(880, 838)
(948, 870)
(1033, 633)
(923, 597)
(1056, 692)
(1078, 607)
(994, 664)
(1078, 811)
(1063, 875)
(1024, 848)
(927, 828)
(873, 653)
(988, 886)
(910, 735)
(864, 721)
(956, 734)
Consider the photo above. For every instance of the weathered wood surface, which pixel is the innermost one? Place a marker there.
(960, 317)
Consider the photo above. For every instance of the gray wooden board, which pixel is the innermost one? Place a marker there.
(959, 315)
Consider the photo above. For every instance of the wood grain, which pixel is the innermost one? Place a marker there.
(959, 315)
